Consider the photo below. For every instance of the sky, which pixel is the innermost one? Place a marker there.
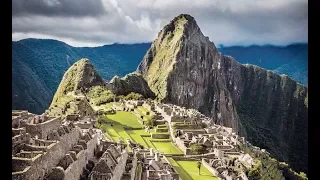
(98, 22)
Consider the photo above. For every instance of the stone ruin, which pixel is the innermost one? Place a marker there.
(50, 148)
(45, 147)
(221, 143)
(155, 166)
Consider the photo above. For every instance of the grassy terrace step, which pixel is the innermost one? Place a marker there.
(188, 170)
(126, 125)
(162, 130)
(162, 126)
(140, 110)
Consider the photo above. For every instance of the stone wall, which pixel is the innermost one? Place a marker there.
(182, 147)
(43, 129)
(160, 136)
(120, 168)
(210, 169)
(84, 125)
(75, 169)
(51, 157)
(134, 167)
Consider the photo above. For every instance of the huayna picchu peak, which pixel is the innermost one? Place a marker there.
(188, 112)
(183, 67)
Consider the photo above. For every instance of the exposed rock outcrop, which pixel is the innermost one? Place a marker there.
(183, 67)
(133, 82)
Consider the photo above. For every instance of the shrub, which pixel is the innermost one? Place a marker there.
(198, 148)
(302, 175)
(151, 123)
(99, 95)
(254, 174)
(102, 119)
(133, 96)
(203, 125)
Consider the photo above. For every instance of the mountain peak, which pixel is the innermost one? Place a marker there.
(180, 35)
(181, 25)
(184, 16)
(80, 76)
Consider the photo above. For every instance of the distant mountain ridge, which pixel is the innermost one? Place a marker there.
(291, 60)
(39, 64)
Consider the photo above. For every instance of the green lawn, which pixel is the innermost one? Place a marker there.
(125, 119)
(143, 109)
(140, 110)
(150, 144)
(111, 132)
(166, 148)
(182, 173)
(190, 167)
(136, 136)
(107, 105)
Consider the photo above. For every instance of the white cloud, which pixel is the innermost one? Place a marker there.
(227, 22)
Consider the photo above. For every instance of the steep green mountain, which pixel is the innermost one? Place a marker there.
(79, 77)
(184, 67)
(70, 97)
(39, 64)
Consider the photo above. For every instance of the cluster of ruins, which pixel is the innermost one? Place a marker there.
(48, 148)
(45, 147)
(224, 155)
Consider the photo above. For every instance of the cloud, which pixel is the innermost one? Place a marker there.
(67, 8)
(228, 22)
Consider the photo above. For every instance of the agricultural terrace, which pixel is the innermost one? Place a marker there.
(125, 125)
(188, 170)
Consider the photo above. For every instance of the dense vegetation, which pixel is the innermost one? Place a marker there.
(100, 95)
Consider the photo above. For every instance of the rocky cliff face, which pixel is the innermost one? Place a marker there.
(133, 82)
(183, 67)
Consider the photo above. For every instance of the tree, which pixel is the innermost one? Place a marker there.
(151, 122)
(254, 174)
(134, 96)
(303, 175)
(198, 148)
(199, 166)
